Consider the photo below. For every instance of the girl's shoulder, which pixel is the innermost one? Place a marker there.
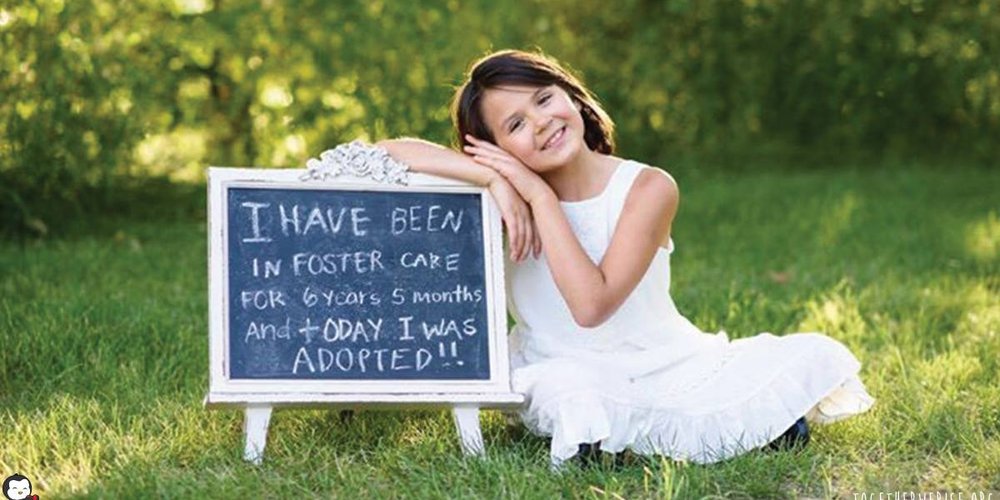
(650, 204)
(650, 181)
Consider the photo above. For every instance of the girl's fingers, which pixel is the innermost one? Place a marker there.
(478, 142)
(494, 164)
(530, 237)
(520, 236)
(521, 231)
(529, 234)
(485, 153)
(492, 152)
(537, 240)
(514, 234)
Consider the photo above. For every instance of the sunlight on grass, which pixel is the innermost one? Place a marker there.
(980, 325)
(983, 238)
(667, 483)
(838, 219)
(77, 451)
(948, 374)
(837, 314)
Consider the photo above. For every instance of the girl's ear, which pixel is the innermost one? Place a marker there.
(578, 104)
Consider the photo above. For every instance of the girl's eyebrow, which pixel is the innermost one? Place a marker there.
(510, 117)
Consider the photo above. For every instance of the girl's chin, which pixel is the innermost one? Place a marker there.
(550, 164)
(563, 153)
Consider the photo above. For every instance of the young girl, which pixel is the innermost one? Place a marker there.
(600, 350)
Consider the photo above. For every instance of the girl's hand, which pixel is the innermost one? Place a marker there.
(527, 183)
(521, 233)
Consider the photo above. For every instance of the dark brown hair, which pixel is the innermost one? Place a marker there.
(514, 67)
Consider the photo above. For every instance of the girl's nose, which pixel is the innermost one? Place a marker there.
(541, 123)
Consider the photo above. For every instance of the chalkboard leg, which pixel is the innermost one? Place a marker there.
(255, 424)
(346, 416)
(467, 424)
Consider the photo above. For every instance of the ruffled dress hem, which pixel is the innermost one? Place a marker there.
(699, 436)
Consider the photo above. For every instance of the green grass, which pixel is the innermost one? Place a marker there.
(103, 362)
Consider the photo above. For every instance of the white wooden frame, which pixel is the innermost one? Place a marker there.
(259, 397)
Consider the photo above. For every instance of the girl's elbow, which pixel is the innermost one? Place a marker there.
(591, 316)
(400, 149)
(588, 322)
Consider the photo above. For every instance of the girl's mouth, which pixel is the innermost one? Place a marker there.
(556, 138)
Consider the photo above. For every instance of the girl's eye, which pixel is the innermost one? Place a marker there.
(544, 98)
(516, 125)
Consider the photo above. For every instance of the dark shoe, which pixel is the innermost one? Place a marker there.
(620, 461)
(796, 436)
(589, 454)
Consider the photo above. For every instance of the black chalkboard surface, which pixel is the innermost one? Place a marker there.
(337, 284)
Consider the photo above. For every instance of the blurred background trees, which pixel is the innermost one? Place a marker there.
(99, 93)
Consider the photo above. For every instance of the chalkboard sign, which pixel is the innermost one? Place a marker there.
(326, 287)
(357, 284)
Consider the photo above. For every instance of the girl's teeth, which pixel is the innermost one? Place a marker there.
(554, 138)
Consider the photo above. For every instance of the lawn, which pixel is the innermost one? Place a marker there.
(104, 356)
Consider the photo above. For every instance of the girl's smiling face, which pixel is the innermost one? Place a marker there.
(540, 126)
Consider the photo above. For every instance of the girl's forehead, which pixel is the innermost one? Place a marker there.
(515, 89)
(509, 93)
(503, 99)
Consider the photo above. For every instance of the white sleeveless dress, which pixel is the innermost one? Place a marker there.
(649, 380)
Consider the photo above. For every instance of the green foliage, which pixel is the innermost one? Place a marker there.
(95, 90)
(873, 75)
(104, 359)
(68, 86)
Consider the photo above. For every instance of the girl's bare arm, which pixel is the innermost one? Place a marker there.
(593, 292)
(430, 158)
